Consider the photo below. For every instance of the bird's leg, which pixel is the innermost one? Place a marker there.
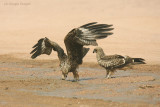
(107, 72)
(76, 76)
(63, 77)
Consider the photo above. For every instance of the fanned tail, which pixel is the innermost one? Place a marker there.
(139, 61)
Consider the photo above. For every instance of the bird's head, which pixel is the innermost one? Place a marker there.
(97, 49)
(64, 72)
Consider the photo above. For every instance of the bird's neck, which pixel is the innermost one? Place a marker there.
(99, 55)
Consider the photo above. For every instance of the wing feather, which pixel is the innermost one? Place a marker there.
(84, 35)
(86, 25)
(45, 46)
(94, 31)
(112, 63)
(85, 51)
(108, 57)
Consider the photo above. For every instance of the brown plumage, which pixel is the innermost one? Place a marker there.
(113, 62)
(74, 42)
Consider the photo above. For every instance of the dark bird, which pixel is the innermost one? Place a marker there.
(74, 42)
(113, 62)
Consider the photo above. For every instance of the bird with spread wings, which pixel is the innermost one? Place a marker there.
(114, 62)
(74, 41)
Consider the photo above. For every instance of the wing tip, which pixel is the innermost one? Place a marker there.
(88, 24)
(33, 57)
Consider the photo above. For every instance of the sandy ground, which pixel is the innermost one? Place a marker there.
(37, 83)
(31, 83)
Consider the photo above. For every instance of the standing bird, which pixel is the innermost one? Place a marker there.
(113, 62)
(74, 42)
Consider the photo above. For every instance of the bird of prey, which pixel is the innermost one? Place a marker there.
(74, 41)
(113, 62)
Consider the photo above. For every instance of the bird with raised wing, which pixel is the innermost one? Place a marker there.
(74, 41)
(114, 62)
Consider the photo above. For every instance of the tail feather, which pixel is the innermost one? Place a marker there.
(139, 60)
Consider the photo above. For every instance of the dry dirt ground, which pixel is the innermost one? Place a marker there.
(37, 83)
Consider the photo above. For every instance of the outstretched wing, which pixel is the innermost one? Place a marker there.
(84, 35)
(45, 46)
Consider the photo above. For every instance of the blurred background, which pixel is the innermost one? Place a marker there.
(136, 23)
